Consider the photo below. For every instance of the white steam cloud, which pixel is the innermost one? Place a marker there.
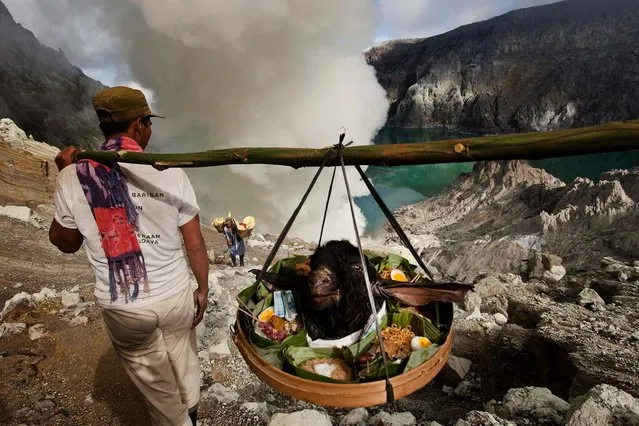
(246, 73)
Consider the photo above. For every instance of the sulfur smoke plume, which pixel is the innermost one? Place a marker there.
(238, 73)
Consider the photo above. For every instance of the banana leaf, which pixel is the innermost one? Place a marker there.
(263, 304)
(375, 369)
(374, 257)
(287, 263)
(262, 291)
(296, 356)
(393, 306)
(250, 295)
(391, 261)
(245, 297)
(361, 346)
(273, 355)
(417, 358)
(419, 325)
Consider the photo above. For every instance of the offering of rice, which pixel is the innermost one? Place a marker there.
(333, 368)
(274, 327)
(397, 341)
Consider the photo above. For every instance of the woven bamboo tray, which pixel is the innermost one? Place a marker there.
(341, 395)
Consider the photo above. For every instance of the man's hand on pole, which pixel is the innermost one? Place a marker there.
(66, 157)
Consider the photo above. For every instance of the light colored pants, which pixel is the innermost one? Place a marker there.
(158, 349)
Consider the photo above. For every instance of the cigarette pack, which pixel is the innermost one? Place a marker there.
(279, 304)
(291, 310)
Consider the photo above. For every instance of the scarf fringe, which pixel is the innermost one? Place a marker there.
(124, 273)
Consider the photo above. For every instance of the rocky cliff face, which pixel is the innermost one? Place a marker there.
(561, 65)
(41, 91)
(497, 216)
(27, 172)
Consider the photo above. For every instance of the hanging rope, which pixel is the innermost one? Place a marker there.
(390, 397)
(338, 146)
(288, 225)
(393, 222)
(328, 199)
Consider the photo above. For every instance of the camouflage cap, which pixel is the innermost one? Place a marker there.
(121, 104)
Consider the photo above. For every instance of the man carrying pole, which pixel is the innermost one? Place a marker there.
(133, 219)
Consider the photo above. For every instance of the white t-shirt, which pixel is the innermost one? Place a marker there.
(165, 200)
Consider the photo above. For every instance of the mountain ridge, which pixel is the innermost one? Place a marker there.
(42, 92)
(566, 64)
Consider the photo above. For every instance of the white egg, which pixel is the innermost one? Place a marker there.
(419, 343)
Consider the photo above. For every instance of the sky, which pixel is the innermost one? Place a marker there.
(83, 41)
(251, 73)
(426, 18)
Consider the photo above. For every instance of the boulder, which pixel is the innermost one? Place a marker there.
(37, 331)
(220, 350)
(20, 299)
(492, 289)
(455, 370)
(9, 329)
(465, 389)
(355, 417)
(79, 320)
(260, 409)
(472, 301)
(533, 403)
(604, 405)
(69, 299)
(546, 267)
(217, 392)
(24, 214)
(304, 417)
(44, 294)
(482, 418)
(623, 271)
(500, 319)
(589, 298)
(211, 255)
(13, 135)
(258, 241)
(554, 274)
(396, 419)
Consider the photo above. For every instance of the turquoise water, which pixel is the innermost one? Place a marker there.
(402, 185)
(589, 166)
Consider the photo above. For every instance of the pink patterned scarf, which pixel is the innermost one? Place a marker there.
(106, 189)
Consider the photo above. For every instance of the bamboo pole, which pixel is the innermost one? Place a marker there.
(616, 136)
